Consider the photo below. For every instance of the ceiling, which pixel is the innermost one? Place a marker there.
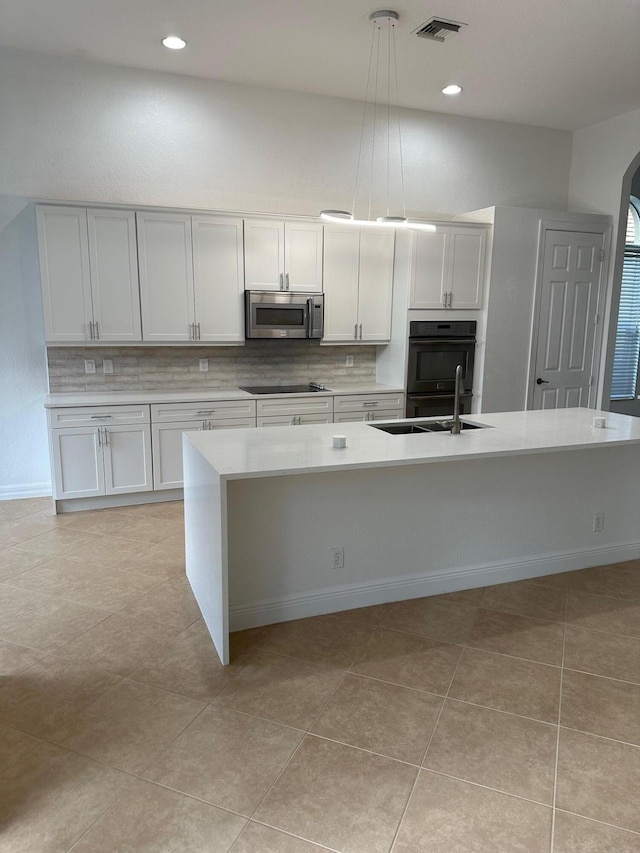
(556, 63)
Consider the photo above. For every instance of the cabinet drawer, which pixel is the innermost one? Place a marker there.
(294, 420)
(98, 416)
(367, 402)
(311, 405)
(210, 411)
(375, 415)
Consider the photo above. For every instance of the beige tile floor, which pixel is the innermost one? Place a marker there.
(497, 720)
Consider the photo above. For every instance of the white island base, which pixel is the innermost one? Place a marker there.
(416, 515)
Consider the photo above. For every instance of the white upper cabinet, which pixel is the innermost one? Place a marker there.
(218, 275)
(283, 255)
(376, 284)
(166, 276)
(89, 274)
(358, 284)
(191, 277)
(447, 267)
(114, 275)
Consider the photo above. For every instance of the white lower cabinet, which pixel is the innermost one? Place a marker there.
(90, 461)
(170, 420)
(283, 411)
(368, 407)
(294, 420)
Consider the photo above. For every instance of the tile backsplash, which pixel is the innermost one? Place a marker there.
(175, 368)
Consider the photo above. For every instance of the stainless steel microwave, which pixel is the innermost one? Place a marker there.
(272, 314)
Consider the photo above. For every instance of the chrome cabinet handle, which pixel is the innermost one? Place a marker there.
(97, 330)
(281, 281)
(286, 281)
(106, 437)
(360, 331)
(206, 412)
(445, 298)
(190, 331)
(100, 417)
(450, 298)
(355, 332)
(99, 436)
(90, 331)
(198, 325)
(370, 402)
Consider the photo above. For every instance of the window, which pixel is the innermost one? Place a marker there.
(624, 382)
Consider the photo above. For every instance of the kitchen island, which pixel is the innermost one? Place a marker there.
(413, 515)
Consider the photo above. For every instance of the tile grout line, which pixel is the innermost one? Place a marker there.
(601, 822)
(424, 755)
(557, 761)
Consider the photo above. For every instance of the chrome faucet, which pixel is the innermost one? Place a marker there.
(454, 425)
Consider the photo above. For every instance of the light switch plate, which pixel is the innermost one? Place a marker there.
(107, 365)
(204, 365)
(348, 361)
(89, 365)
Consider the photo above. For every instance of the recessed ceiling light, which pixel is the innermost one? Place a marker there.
(174, 42)
(453, 89)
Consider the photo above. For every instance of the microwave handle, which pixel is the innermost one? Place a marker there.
(310, 317)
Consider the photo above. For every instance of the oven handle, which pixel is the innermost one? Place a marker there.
(416, 397)
(438, 341)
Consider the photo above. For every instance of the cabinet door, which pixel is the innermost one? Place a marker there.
(375, 285)
(166, 276)
(466, 266)
(341, 262)
(303, 257)
(114, 275)
(78, 470)
(263, 254)
(127, 458)
(63, 247)
(218, 278)
(167, 452)
(429, 269)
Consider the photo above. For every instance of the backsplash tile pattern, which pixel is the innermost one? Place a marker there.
(175, 368)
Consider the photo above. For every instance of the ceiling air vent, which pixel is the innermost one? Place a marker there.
(438, 29)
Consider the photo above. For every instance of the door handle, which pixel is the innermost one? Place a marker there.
(542, 381)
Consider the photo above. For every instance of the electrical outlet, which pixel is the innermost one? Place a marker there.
(348, 361)
(107, 365)
(89, 365)
(598, 522)
(337, 558)
(204, 365)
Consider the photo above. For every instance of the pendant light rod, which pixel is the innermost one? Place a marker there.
(379, 19)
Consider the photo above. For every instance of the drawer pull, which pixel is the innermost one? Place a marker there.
(100, 417)
(206, 411)
(370, 402)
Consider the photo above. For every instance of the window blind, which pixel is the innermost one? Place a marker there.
(625, 362)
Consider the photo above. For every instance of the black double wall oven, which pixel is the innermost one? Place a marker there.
(435, 350)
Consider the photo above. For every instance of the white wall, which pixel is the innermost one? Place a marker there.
(24, 458)
(75, 130)
(605, 157)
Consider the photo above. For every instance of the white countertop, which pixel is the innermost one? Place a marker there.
(276, 451)
(117, 398)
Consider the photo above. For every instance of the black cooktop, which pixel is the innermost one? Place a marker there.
(284, 389)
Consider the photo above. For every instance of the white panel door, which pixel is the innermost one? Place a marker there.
(465, 274)
(570, 288)
(218, 273)
(127, 458)
(166, 276)
(263, 254)
(64, 273)
(167, 452)
(114, 275)
(77, 462)
(303, 257)
(375, 284)
(428, 269)
(341, 263)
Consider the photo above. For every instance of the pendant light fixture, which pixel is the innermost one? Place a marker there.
(385, 134)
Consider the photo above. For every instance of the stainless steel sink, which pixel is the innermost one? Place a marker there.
(410, 429)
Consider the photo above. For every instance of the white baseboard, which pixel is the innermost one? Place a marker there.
(335, 599)
(28, 490)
